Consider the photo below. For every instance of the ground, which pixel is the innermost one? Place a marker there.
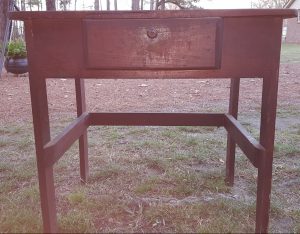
(150, 179)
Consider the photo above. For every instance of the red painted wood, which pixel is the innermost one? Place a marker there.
(136, 44)
(55, 148)
(267, 136)
(233, 111)
(83, 141)
(232, 13)
(40, 117)
(64, 54)
(157, 119)
(249, 145)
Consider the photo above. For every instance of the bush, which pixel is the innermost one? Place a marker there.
(16, 49)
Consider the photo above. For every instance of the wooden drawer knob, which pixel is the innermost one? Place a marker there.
(152, 33)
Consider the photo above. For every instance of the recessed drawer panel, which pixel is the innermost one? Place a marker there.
(128, 44)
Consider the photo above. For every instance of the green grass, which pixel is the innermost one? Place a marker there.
(218, 216)
(4, 141)
(110, 171)
(214, 182)
(288, 143)
(161, 180)
(296, 217)
(4, 167)
(167, 179)
(20, 221)
(20, 211)
(290, 53)
(76, 221)
(156, 164)
(13, 129)
(184, 182)
(146, 187)
(76, 197)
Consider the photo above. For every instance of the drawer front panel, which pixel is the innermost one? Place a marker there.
(130, 44)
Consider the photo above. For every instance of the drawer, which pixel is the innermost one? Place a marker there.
(133, 44)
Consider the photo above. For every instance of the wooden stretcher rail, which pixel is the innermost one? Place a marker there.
(60, 144)
(157, 119)
(249, 145)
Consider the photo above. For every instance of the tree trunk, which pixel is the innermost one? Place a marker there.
(3, 20)
(50, 5)
(163, 5)
(23, 7)
(108, 5)
(5, 6)
(116, 4)
(96, 5)
(160, 5)
(142, 4)
(135, 5)
(151, 5)
(66, 4)
(269, 3)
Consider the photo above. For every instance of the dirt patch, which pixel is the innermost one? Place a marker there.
(144, 95)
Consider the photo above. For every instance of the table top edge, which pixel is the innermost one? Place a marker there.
(27, 15)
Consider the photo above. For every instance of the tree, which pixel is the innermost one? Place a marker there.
(3, 18)
(116, 4)
(50, 5)
(5, 6)
(181, 4)
(108, 5)
(63, 4)
(269, 3)
(96, 5)
(135, 5)
(151, 4)
(32, 3)
(160, 4)
(21, 4)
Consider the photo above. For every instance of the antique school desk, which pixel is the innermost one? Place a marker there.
(154, 45)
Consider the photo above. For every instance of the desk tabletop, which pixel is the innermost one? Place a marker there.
(154, 44)
(25, 15)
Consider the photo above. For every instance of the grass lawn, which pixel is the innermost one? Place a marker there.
(290, 53)
(153, 179)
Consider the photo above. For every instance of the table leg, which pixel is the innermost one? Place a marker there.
(267, 134)
(42, 136)
(233, 110)
(83, 143)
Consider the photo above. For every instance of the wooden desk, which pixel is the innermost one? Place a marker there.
(154, 45)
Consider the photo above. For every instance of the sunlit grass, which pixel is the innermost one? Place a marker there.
(290, 53)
